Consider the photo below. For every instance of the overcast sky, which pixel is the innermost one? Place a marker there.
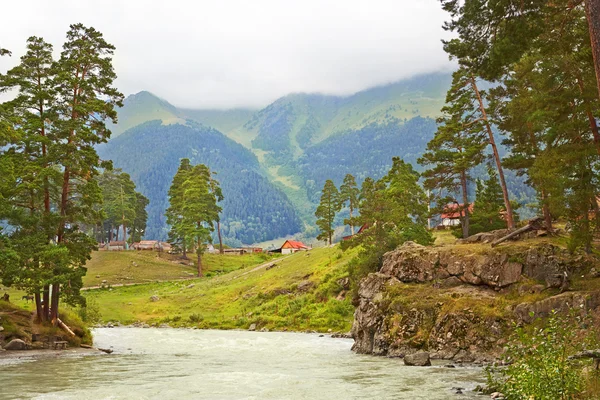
(243, 53)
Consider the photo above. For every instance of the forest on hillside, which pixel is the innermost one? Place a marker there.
(253, 209)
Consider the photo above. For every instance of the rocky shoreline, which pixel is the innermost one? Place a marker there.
(17, 356)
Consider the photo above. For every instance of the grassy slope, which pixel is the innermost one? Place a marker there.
(270, 298)
(149, 266)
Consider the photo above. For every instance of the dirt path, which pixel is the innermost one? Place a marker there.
(257, 268)
(261, 266)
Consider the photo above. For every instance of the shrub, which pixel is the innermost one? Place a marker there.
(538, 365)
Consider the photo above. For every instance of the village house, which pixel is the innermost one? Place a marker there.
(361, 230)
(117, 246)
(452, 214)
(291, 246)
(146, 245)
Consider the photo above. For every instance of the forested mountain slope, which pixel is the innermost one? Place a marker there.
(253, 209)
(295, 143)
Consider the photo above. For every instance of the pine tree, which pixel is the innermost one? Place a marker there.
(328, 207)
(86, 100)
(138, 227)
(174, 212)
(489, 205)
(457, 147)
(193, 209)
(349, 193)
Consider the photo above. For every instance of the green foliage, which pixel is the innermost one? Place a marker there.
(193, 209)
(546, 100)
(394, 210)
(50, 192)
(538, 365)
(90, 312)
(329, 206)
(122, 206)
(458, 147)
(489, 205)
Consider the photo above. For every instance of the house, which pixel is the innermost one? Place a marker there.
(291, 246)
(453, 213)
(163, 246)
(117, 245)
(361, 230)
(146, 245)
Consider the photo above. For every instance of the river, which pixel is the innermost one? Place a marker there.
(204, 364)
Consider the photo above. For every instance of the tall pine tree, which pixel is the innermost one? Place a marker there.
(326, 211)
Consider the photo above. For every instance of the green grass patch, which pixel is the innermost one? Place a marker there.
(297, 294)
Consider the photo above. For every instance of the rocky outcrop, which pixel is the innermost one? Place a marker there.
(455, 303)
(494, 268)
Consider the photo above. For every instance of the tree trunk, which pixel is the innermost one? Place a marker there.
(351, 225)
(220, 238)
(184, 249)
(546, 211)
(124, 232)
(54, 305)
(199, 257)
(46, 307)
(465, 223)
(590, 115)
(509, 213)
(38, 307)
(110, 233)
(592, 10)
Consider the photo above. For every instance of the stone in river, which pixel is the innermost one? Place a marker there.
(420, 359)
(16, 344)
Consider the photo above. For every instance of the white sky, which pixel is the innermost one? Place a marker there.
(243, 53)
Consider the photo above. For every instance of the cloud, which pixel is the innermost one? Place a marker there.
(240, 53)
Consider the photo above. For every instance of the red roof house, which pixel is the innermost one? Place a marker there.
(292, 246)
(453, 212)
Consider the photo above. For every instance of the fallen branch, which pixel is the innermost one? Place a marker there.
(533, 225)
(64, 327)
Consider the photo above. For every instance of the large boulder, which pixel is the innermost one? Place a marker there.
(419, 359)
(16, 344)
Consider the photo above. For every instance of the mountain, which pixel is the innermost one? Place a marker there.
(289, 147)
(143, 107)
(254, 210)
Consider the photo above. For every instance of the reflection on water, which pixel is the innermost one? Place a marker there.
(194, 364)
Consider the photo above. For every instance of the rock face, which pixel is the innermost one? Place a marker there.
(16, 344)
(419, 359)
(450, 302)
(496, 269)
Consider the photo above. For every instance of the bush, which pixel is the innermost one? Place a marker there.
(90, 313)
(538, 365)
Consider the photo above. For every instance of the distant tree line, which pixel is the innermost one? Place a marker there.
(49, 167)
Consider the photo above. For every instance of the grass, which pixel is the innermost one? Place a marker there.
(297, 294)
(148, 266)
(17, 323)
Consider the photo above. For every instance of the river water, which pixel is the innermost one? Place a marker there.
(204, 364)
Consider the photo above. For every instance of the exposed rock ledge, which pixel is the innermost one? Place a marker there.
(459, 305)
